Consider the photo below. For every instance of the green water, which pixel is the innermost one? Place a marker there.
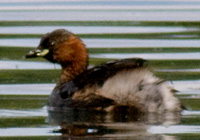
(24, 112)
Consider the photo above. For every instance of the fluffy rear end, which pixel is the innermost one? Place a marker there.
(141, 89)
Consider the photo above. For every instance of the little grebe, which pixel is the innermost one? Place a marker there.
(126, 82)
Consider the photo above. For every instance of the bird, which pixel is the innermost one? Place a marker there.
(117, 83)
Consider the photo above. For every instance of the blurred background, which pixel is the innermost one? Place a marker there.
(165, 32)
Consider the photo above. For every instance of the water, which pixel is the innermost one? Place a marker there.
(154, 56)
(6, 113)
(23, 110)
(92, 30)
(26, 89)
(28, 132)
(174, 129)
(112, 43)
(102, 10)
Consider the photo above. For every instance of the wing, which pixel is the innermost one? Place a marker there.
(99, 74)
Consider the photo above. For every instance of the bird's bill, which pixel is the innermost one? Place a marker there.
(37, 53)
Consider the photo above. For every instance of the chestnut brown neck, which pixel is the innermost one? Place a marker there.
(69, 72)
(73, 57)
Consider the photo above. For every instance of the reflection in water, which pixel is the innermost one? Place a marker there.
(155, 137)
(120, 123)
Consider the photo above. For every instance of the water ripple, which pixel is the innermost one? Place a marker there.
(175, 129)
(23, 113)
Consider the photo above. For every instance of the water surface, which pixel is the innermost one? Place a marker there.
(111, 43)
(150, 56)
(9, 64)
(23, 107)
(93, 30)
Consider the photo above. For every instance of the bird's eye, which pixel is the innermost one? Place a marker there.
(52, 43)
